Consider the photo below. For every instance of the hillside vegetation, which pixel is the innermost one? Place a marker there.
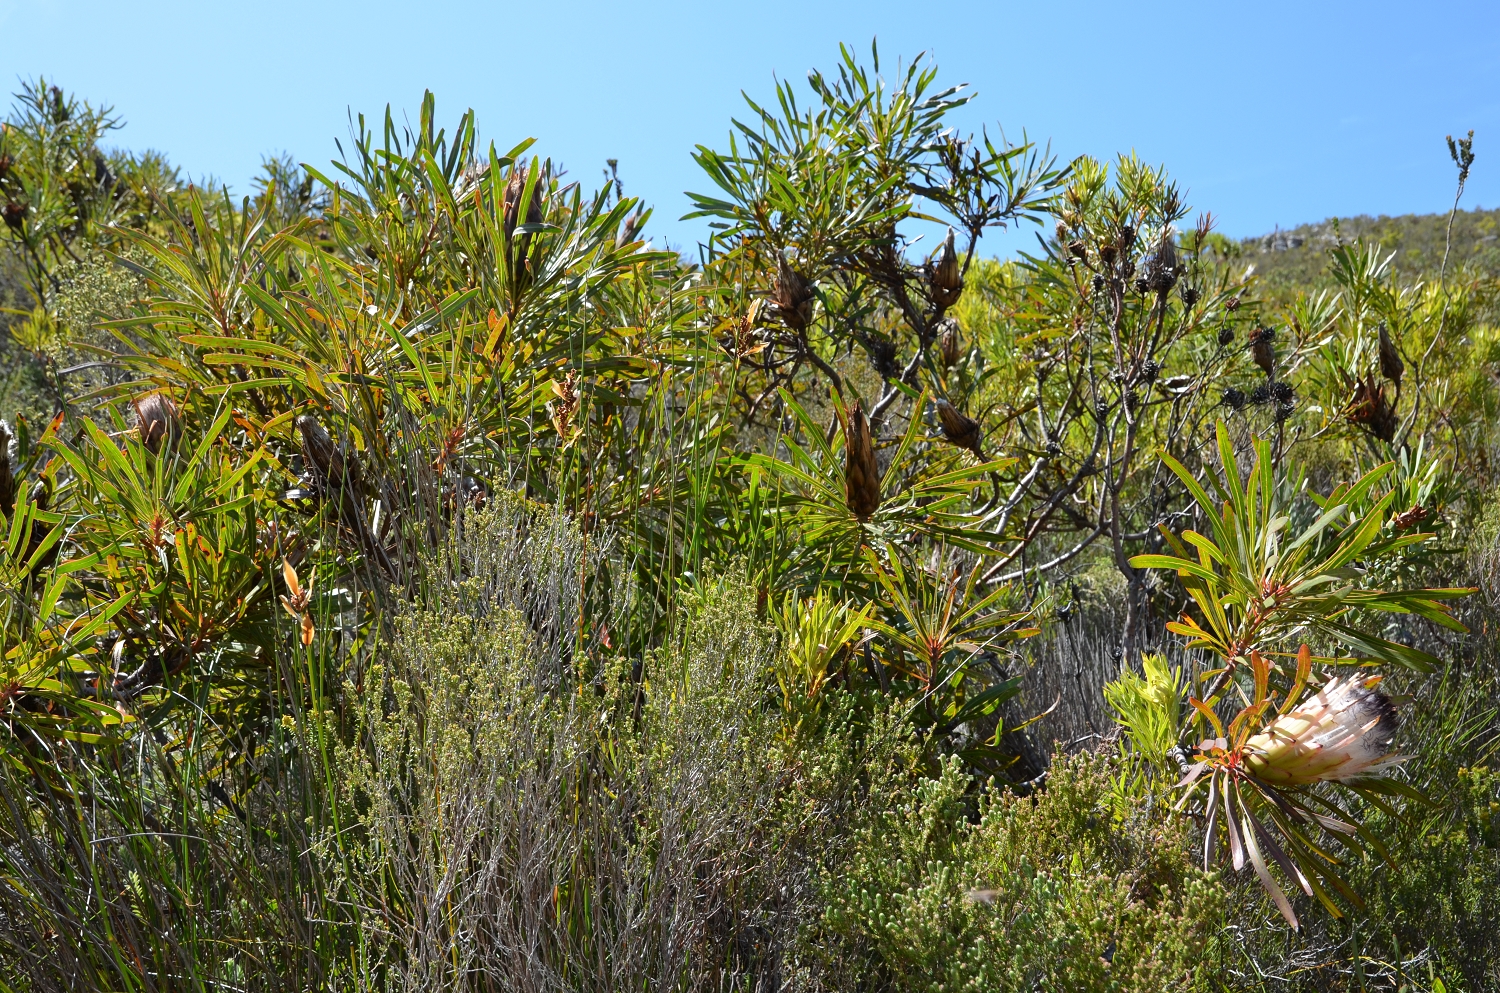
(415, 579)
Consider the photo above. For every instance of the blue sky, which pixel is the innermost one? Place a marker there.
(1267, 113)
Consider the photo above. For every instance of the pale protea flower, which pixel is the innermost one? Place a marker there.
(1343, 732)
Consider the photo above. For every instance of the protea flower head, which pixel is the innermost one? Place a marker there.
(156, 420)
(950, 346)
(794, 296)
(958, 428)
(861, 474)
(1342, 733)
(947, 281)
(1391, 365)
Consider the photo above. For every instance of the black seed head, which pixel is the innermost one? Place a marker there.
(1226, 335)
(1233, 399)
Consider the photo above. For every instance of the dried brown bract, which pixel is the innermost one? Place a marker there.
(1261, 350)
(1391, 365)
(947, 282)
(1369, 409)
(861, 474)
(950, 346)
(794, 297)
(959, 428)
(157, 421)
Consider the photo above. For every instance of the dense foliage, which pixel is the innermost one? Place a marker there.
(413, 578)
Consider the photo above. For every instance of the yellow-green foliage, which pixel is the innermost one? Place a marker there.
(945, 890)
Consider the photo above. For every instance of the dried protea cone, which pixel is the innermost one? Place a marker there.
(1391, 365)
(949, 345)
(515, 191)
(1344, 732)
(861, 475)
(958, 428)
(947, 283)
(1369, 409)
(1260, 349)
(321, 455)
(794, 297)
(157, 420)
(7, 477)
(630, 227)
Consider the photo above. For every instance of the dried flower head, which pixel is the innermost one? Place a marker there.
(958, 428)
(861, 474)
(1391, 365)
(950, 347)
(946, 283)
(794, 297)
(1261, 350)
(1233, 399)
(1226, 335)
(157, 420)
(1369, 409)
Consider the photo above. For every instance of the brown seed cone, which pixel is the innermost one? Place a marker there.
(958, 428)
(861, 474)
(949, 344)
(947, 283)
(7, 479)
(794, 297)
(1368, 408)
(1391, 365)
(157, 421)
(1260, 349)
(515, 191)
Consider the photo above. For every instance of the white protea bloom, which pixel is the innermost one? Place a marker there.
(1342, 732)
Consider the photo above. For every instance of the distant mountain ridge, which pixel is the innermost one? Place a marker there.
(1297, 257)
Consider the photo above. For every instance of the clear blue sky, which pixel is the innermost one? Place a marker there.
(1268, 113)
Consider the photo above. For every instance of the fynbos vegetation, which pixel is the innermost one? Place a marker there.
(413, 578)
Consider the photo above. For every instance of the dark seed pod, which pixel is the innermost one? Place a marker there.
(1108, 254)
(157, 420)
(1101, 409)
(1369, 409)
(1233, 399)
(515, 192)
(958, 428)
(1149, 371)
(1142, 285)
(1078, 251)
(1132, 399)
(946, 282)
(1260, 348)
(861, 474)
(1226, 335)
(1189, 296)
(1127, 236)
(1232, 304)
(883, 357)
(794, 297)
(7, 479)
(1261, 395)
(15, 215)
(1282, 392)
(1391, 365)
(949, 345)
(1098, 283)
